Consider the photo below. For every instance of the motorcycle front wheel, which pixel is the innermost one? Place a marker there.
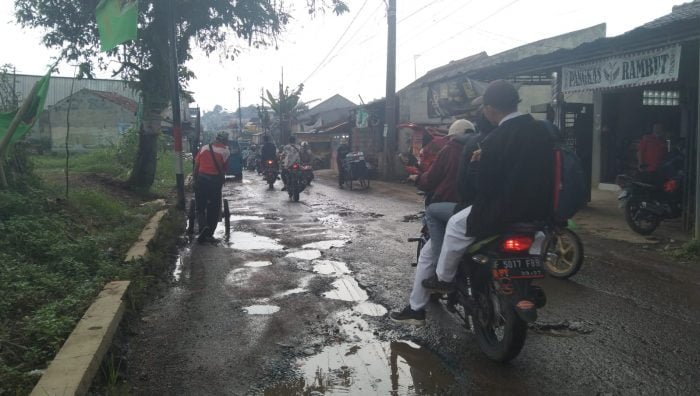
(500, 332)
(563, 254)
(641, 221)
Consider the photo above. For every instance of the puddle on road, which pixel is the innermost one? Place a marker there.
(305, 254)
(330, 267)
(370, 309)
(368, 366)
(261, 309)
(184, 257)
(346, 288)
(324, 245)
(240, 240)
(246, 218)
(239, 276)
(257, 264)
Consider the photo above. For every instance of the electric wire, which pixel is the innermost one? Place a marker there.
(337, 42)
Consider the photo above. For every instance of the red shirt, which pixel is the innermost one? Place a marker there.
(652, 150)
(428, 154)
(205, 161)
(441, 178)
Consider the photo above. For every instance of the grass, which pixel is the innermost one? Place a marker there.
(689, 251)
(56, 254)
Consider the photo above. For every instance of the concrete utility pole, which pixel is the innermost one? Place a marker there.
(696, 230)
(240, 115)
(390, 113)
(175, 104)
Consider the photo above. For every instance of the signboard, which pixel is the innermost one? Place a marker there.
(635, 69)
(453, 97)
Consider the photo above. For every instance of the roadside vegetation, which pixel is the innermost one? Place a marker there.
(58, 251)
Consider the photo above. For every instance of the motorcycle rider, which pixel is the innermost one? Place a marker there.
(268, 150)
(210, 166)
(514, 183)
(342, 151)
(306, 155)
(291, 153)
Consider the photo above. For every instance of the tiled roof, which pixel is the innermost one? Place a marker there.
(120, 100)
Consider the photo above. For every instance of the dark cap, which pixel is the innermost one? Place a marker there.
(501, 95)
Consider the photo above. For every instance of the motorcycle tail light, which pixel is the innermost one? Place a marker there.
(295, 166)
(269, 162)
(516, 244)
(670, 186)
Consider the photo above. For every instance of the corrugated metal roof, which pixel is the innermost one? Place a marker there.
(678, 13)
(60, 87)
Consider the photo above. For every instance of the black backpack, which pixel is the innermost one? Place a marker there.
(570, 193)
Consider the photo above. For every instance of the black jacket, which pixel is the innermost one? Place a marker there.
(515, 181)
(468, 171)
(268, 152)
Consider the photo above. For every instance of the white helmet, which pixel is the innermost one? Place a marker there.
(460, 128)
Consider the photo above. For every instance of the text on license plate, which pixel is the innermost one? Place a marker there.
(520, 268)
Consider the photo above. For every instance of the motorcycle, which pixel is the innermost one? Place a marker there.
(295, 181)
(646, 205)
(251, 162)
(494, 297)
(307, 173)
(270, 173)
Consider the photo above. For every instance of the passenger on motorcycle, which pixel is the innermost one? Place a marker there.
(291, 153)
(514, 183)
(306, 154)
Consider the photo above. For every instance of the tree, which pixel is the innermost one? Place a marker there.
(9, 100)
(212, 25)
(286, 108)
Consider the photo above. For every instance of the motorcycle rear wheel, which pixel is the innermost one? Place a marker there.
(641, 221)
(500, 332)
(567, 255)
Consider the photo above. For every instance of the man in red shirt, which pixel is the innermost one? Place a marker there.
(210, 166)
(652, 149)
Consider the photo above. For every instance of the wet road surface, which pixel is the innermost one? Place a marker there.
(295, 302)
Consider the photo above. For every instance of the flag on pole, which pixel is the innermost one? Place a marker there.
(116, 22)
(36, 107)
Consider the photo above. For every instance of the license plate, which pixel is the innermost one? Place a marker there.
(520, 267)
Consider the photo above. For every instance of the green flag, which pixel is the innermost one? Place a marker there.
(35, 109)
(116, 22)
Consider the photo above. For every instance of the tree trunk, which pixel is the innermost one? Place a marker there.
(144, 170)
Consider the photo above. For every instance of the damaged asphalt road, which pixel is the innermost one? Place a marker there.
(295, 302)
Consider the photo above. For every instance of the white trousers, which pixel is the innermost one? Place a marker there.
(424, 270)
(454, 245)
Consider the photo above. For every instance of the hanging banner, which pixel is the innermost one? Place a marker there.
(630, 70)
(453, 97)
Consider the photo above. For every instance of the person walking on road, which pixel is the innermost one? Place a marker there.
(210, 166)
(341, 152)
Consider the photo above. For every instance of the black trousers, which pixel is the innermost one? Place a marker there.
(208, 197)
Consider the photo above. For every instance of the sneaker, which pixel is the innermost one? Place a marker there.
(203, 235)
(435, 285)
(409, 316)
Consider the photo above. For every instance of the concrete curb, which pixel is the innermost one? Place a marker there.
(140, 248)
(72, 370)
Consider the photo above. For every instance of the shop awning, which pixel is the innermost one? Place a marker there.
(634, 69)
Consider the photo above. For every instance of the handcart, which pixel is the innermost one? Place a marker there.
(355, 169)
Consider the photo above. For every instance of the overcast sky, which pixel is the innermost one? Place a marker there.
(347, 54)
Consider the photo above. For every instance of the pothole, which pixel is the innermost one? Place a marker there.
(261, 309)
(240, 240)
(238, 276)
(324, 245)
(361, 364)
(370, 309)
(305, 254)
(346, 288)
(257, 264)
(562, 329)
(246, 218)
(330, 267)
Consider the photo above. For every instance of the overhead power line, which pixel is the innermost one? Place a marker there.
(337, 42)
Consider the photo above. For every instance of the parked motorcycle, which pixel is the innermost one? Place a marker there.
(494, 296)
(295, 182)
(270, 173)
(646, 205)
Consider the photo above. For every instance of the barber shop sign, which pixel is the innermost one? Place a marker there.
(635, 69)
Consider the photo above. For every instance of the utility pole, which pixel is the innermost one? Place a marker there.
(175, 104)
(390, 112)
(240, 115)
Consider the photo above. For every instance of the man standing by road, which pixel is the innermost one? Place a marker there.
(341, 152)
(210, 166)
(514, 184)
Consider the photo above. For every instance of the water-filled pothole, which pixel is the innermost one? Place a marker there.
(364, 365)
(261, 309)
(330, 267)
(346, 288)
(305, 254)
(324, 245)
(257, 264)
(240, 240)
